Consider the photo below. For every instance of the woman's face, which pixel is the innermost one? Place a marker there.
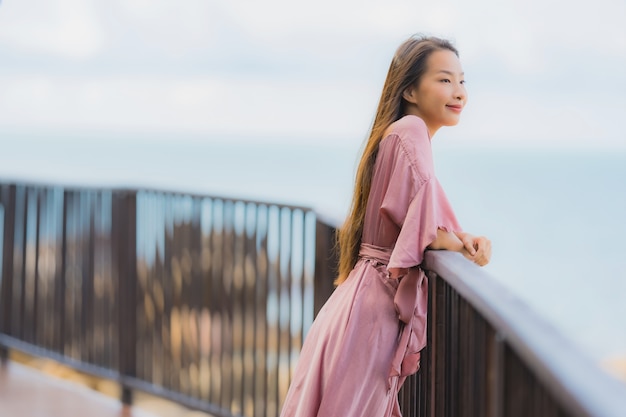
(439, 96)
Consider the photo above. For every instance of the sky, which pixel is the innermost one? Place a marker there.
(540, 73)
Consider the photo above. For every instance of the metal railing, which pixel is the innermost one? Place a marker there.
(489, 355)
(206, 301)
(199, 299)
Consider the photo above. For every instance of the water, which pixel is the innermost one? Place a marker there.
(555, 217)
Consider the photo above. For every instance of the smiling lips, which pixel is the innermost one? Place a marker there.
(455, 107)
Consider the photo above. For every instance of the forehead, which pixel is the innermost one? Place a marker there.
(444, 60)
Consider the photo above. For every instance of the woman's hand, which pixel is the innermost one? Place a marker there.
(475, 248)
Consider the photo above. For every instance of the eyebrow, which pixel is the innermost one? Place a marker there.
(449, 72)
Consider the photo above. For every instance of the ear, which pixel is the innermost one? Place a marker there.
(409, 95)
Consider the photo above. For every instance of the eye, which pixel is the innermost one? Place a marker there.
(445, 80)
(462, 81)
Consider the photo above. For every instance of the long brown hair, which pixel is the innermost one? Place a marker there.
(407, 67)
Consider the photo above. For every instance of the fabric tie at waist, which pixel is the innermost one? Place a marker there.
(375, 253)
(410, 301)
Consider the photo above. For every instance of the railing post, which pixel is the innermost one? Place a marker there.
(326, 260)
(125, 237)
(7, 199)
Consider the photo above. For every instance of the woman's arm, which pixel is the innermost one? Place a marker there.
(446, 241)
(475, 248)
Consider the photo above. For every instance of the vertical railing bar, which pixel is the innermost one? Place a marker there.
(325, 263)
(183, 292)
(127, 267)
(224, 323)
(232, 251)
(241, 259)
(72, 310)
(159, 203)
(40, 270)
(177, 354)
(224, 304)
(184, 298)
(428, 382)
(57, 302)
(454, 352)
(477, 363)
(190, 302)
(82, 279)
(164, 340)
(196, 297)
(251, 282)
(32, 308)
(166, 336)
(24, 317)
(156, 202)
(83, 245)
(70, 254)
(217, 297)
(97, 277)
(237, 314)
(210, 298)
(88, 290)
(289, 268)
(254, 305)
(442, 357)
(16, 263)
(495, 374)
(6, 282)
(146, 328)
(265, 293)
(461, 357)
(259, 312)
(303, 280)
(36, 322)
(279, 285)
(204, 309)
(60, 300)
(21, 328)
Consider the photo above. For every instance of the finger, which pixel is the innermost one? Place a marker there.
(482, 242)
(483, 251)
(482, 261)
(484, 246)
(488, 249)
(468, 242)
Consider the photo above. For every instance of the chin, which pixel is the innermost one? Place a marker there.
(453, 122)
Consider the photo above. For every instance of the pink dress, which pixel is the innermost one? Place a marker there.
(367, 337)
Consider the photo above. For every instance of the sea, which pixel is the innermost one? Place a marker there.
(556, 217)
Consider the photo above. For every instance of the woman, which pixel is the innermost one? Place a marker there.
(366, 339)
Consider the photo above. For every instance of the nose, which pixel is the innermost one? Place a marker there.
(461, 93)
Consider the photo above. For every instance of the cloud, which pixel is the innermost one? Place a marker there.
(275, 110)
(535, 69)
(66, 28)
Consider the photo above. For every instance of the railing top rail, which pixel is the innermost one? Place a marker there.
(575, 380)
(87, 187)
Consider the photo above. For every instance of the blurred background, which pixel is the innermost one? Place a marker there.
(272, 100)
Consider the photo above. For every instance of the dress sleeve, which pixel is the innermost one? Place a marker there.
(428, 210)
(417, 204)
